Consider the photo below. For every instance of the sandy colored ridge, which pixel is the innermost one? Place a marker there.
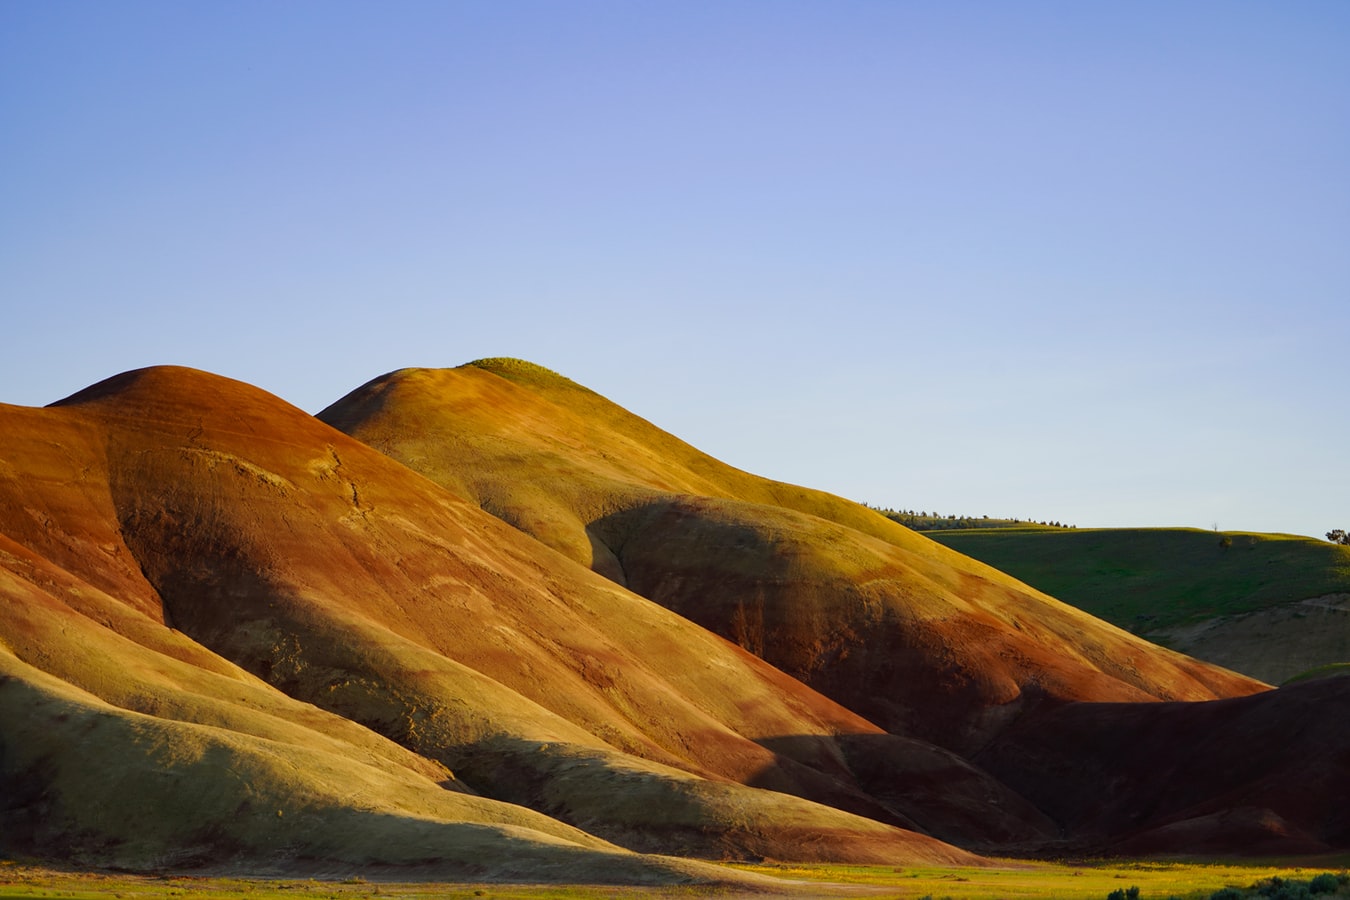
(1279, 642)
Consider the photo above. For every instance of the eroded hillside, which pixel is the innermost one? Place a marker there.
(187, 552)
(505, 629)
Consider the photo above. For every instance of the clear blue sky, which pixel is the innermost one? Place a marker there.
(1075, 261)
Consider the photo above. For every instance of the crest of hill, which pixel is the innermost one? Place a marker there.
(328, 634)
(568, 430)
(916, 637)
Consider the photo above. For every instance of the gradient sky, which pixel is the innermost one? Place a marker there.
(1087, 262)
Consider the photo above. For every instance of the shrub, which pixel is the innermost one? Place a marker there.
(1280, 889)
(1326, 883)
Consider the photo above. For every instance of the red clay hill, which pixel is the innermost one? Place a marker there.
(233, 635)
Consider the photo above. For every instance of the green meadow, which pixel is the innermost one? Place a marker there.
(1144, 579)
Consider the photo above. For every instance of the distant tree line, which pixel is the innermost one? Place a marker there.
(922, 520)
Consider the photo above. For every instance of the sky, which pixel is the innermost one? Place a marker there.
(1080, 262)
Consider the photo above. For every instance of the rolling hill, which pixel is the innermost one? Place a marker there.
(921, 640)
(230, 589)
(1269, 605)
(498, 628)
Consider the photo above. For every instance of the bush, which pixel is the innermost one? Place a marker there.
(1227, 893)
(1326, 883)
(1280, 889)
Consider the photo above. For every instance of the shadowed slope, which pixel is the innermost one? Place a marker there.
(1267, 774)
(916, 637)
(167, 503)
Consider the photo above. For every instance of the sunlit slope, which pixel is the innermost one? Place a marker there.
(1269, 605)
(147, 751)
(193, 550)
(916, 637)
(94, 783)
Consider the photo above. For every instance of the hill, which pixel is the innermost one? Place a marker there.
(233, 636)
(923, 641)
(233, 633)
(927, 643)
(1269, 605)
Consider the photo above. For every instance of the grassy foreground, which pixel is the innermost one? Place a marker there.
(1088, 881)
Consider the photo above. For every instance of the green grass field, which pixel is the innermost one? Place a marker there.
(1150, 578)
(1085, 881)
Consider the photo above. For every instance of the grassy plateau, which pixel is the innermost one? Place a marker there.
(1160, 576)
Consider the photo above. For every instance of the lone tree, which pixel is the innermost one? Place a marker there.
(1338, 536)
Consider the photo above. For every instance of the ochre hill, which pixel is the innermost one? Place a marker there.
(234, 636)
(918, 638)
(230, 632)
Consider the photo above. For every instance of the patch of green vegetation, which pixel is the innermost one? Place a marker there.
(1276, 887)
(520, 371)
(1148, 578)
